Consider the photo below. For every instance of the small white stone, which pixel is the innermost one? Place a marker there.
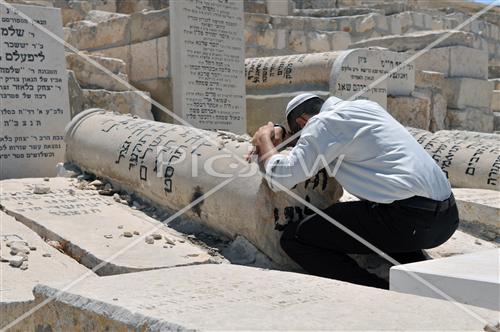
(156, 236)
(40, 189)
(108, 236)
(149, 239)
(96, 183)
(46, 255)
(117, 198)
(127, 234)
(16, 261)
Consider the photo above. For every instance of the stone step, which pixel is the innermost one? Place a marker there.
(125, 102)
(480, 209)
(91, 77)
(471, 279)
(92, 227)
(467, 92)
(229, 297)
(43, 264)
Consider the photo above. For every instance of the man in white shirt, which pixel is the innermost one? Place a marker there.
(406, 201)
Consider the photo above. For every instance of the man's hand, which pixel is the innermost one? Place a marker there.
(263, 142)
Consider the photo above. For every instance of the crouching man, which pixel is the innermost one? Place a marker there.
(406, 201)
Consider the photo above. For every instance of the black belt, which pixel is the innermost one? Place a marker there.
(423, 203)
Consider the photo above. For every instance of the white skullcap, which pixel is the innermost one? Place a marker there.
(296, 101)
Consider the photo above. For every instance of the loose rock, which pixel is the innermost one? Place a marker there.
(169, 241)
(46, 255)
(16, 261)
(156, 236)
(96, 183)
(32, 248)
(108, 236)
(40, 190)
(127, 234)
(136, 233)
(149, 239)
(117, 198)
(24, 266)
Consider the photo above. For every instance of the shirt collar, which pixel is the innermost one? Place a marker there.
(329, 103)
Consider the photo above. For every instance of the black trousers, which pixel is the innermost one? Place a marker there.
(321, 248)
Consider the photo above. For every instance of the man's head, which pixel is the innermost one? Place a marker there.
(300, 109)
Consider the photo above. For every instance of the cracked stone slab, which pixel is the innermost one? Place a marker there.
(91, 227)
(45, 265)
(230, 297)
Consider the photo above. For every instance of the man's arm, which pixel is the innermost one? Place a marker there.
(317, 147)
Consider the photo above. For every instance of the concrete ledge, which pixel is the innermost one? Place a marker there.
(228, 297)
(470, 279)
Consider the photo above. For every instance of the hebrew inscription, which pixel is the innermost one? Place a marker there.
(34, 101)
(208, 57)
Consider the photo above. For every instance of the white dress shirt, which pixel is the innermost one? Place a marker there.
(378, 159)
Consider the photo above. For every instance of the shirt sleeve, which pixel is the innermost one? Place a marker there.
(316, 148)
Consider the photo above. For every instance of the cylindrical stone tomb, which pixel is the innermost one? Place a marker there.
(173, 165)
(469, 160)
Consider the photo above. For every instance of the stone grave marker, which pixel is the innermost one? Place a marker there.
(94, 227)
(228, 297)
(34, 101)
(470, 278)
(43, 264)
(359, 69)
(207, 61)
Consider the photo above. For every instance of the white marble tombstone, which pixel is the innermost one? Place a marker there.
(207, 60)
(34, 101)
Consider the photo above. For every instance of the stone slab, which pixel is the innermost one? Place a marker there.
(471, 279)
(207, 61)
(479, 207)
(495, 101)
(413, 111)
(463, 92)
(124, 102)
(45, 265)
(421, 39)
(470, 119)
(455, 61)
(228, 297)
(17, 284)
(33, 92)
(81, 219)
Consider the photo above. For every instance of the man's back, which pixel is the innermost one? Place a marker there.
(381, 162)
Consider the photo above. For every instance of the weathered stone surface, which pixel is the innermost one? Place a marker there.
(414, 111)
(197, 297)
(284, 7)
(126, 102)
(463, 92)
(455, 61)
(473, 119)
(467, 160)
(470, 279)
(150, 60)
(17, 284)
(80, 219)
(495, 101)
(420, 40)
(480, 208)
(91, 77)
(99, 30)
(207, 61)
(429, 79)
(75, 94)
(149, 25)
(107, 144)
(34, 92)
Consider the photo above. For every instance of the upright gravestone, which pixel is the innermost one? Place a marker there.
(207, 61)
(34, 102)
